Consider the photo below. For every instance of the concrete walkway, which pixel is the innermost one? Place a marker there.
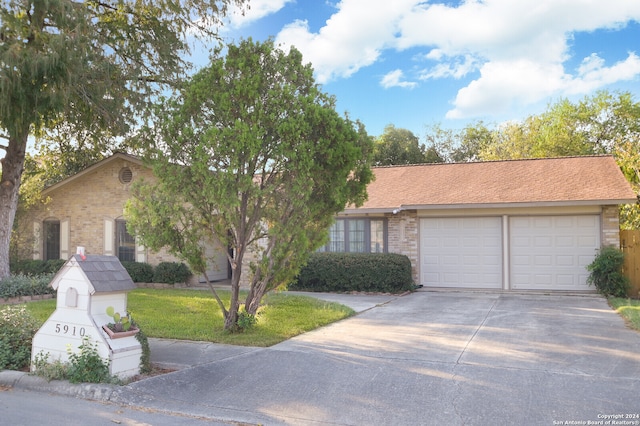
(427, 358)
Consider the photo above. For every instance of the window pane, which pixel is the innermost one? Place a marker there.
(336, 236)
(125, 242)
(377, 236)
(356, 236)
(51, 240)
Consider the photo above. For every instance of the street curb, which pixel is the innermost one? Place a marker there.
(22, 380)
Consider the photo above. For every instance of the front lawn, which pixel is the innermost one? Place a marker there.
(195, 315)
(629, 309)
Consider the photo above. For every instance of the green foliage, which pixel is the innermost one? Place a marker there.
(87, 366)
(79, 71)
(605, 273)
(37, 267)
(17, 328)
(23, 285)
(120, 322)
(399, 146)
(271, 160)
(344, 272)
(246, 320)
(49, 370)
(629, 309)
(139, 272)
(171, 273)
(145, 357)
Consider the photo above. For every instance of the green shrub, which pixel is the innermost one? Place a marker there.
(36, 267)
(24, 285)
(56, 370)
(139, 272)
(171, 273)
(87, 366)
(343, 272)
(606, 273)
(17, 328)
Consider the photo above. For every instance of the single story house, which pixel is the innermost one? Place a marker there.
(87, 210)
(512, 225)
(530, 224)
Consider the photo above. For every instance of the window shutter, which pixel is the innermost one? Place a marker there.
(64, 239)
(109, 234)
(37, 241)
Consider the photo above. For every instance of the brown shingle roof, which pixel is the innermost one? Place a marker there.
(551, 181)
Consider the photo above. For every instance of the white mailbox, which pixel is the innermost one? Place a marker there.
(86, 286)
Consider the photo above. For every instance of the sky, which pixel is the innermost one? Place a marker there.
(414, 64)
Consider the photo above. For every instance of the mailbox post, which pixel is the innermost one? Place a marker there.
(86, 286)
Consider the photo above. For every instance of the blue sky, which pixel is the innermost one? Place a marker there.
(416, 63)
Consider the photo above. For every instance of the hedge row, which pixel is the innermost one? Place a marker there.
(36, 267)
(25, 285)
(165, 272)
(363, 272)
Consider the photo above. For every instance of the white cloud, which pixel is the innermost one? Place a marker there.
(456, 68)
(520, 48)
(506, 84)
(354, 37)
(257, 9)
(593, 74)
(394, 79)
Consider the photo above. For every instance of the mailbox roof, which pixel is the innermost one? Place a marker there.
(104, 273)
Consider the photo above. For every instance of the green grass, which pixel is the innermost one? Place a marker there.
(195, 315)
(629, 309)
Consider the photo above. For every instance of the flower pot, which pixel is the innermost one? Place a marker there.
(119, 334)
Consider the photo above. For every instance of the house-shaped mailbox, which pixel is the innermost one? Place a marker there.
(86, 286)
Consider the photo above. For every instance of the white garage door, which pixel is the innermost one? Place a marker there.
(552, 252)
(461, 252)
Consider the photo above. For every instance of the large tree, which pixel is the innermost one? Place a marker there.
(90, 65)
(604, 123)
(251, 153)
(397, 146)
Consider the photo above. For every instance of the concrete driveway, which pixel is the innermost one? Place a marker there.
(427, 358)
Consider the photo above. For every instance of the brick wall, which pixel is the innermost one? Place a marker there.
(86, 203)
(610, 226)
(403, 237)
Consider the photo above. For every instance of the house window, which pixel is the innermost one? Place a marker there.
(125, 242)
(357, 236)
(377, 236)
(51, 230)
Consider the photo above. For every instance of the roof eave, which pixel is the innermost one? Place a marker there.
(564, 203)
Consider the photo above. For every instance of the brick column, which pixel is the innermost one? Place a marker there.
(610, 226)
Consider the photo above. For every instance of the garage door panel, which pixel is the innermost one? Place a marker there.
(551, 253)
(468, 252)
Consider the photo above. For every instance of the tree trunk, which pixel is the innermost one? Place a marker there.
(12, 167)
(231, 319)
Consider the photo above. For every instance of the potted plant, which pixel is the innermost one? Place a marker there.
(122, 326)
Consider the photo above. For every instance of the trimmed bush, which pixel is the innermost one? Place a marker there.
(17, 328)
(37, 267)
(606, 273)
(23, 285)
(171, 273)
(366, 272)
(139, 272)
